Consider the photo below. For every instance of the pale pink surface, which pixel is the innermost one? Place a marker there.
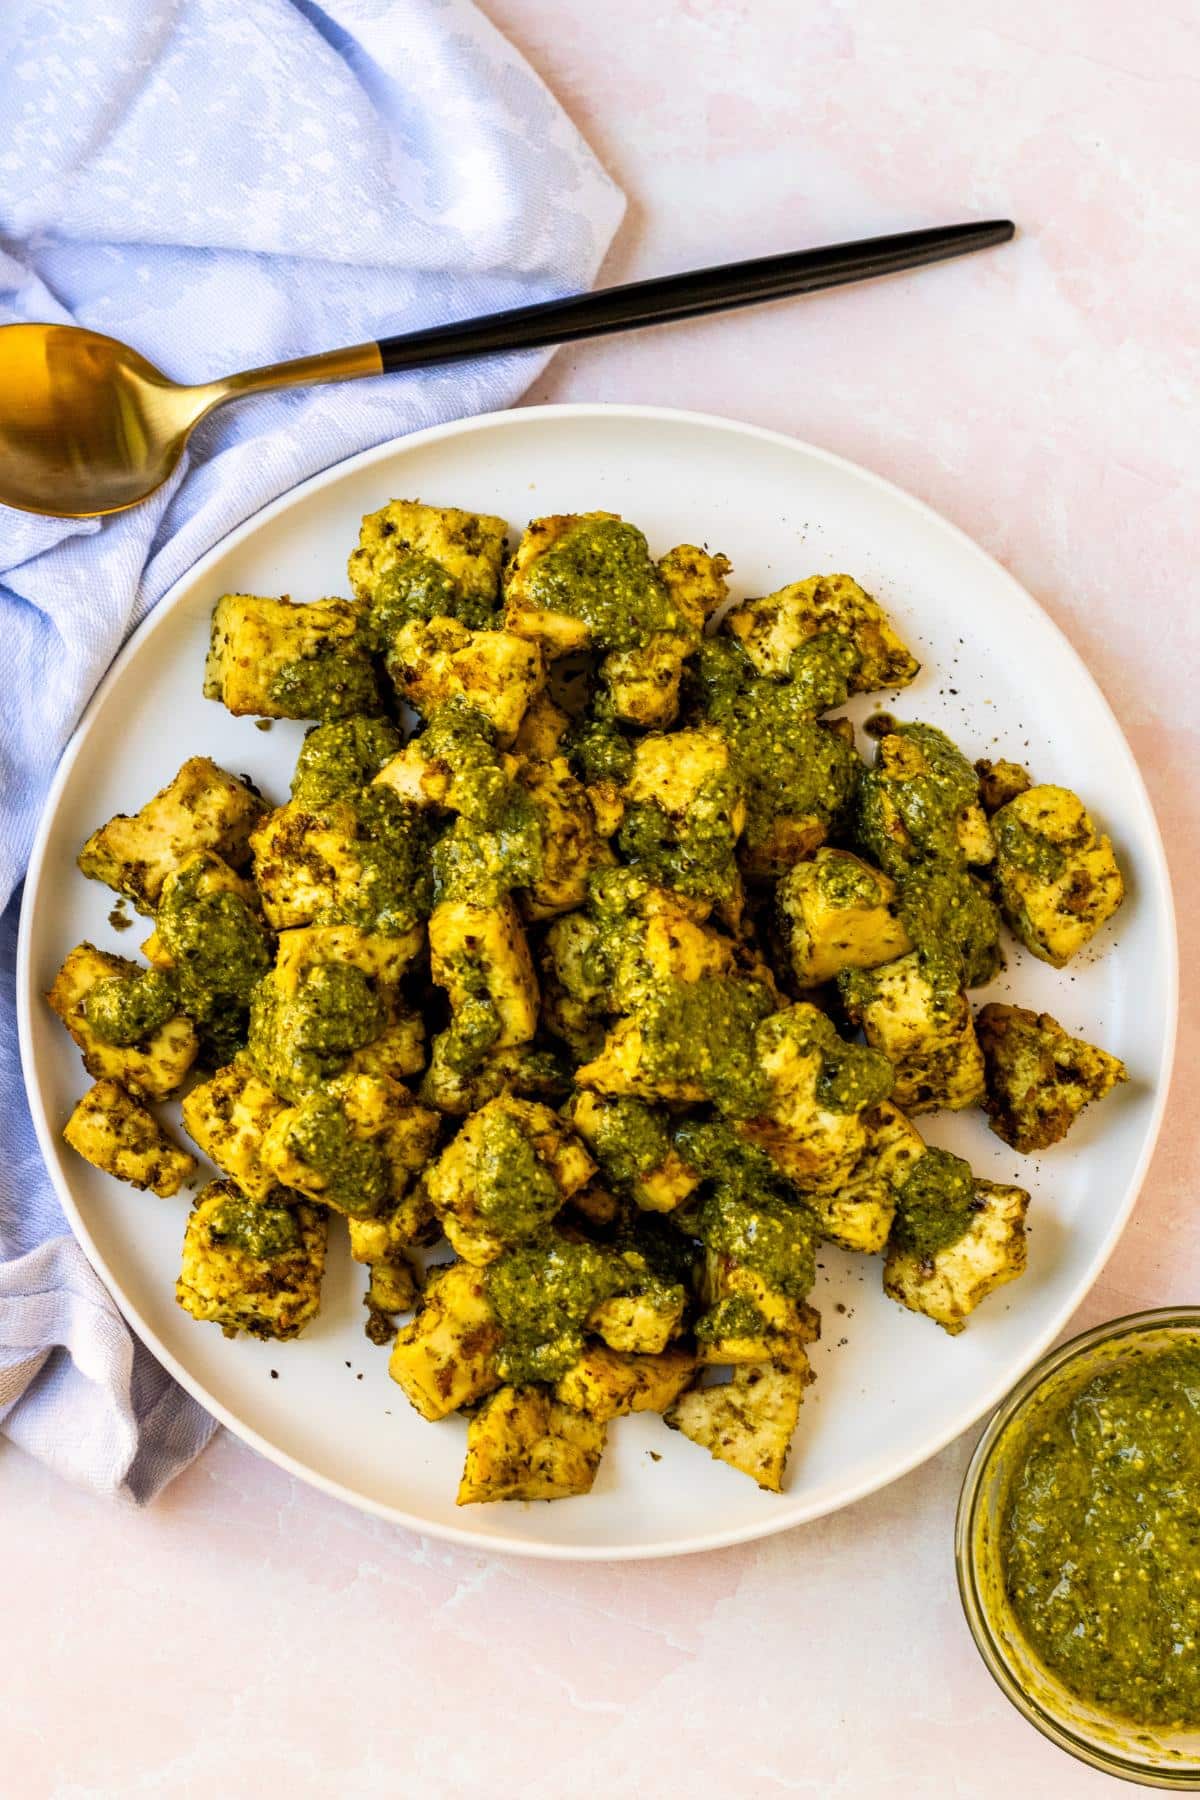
(248, 1635)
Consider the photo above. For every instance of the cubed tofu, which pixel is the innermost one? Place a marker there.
(522, 1445)
(696, 581)
(202, 808)
(496, 672)
(542, 730)
(519, 1070)
(747, 1421)
(383, 1238)
(447, 1357)
(285, 661)
(228, 1117)
(1039, 1077)
(526, 611)
(643, 683)
(641, 1324)
(811, 1136)
(272, 1292)
(950, 1284)
(1057, 876)
(920, 800)
(926, 1033)
(749, 1321)
(113, 1132)
(858, 1213)
(467, 547)
(605, 1384)
(512, 1166)
(424, 781)
(670, 770)
(392, 1289)
(480, 956)
(385, 959)
(622, 1068)
(773, 628)
(633, 1149)
(354, 1145)
(835, 912)
(571, 845)
(306, 863)
(152, 1069)
(1000, 782)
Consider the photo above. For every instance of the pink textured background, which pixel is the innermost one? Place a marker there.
(248, 1635)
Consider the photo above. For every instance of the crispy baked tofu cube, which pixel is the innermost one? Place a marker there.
(858, 1213)
(948, 1283)
(306, 863)
(571, 845)
(407, 548)
(480, 956)
(530, 611)
(519, 1070)
(575, 996)
(512, 1166)
(749, 1321)
(772, 629)
(152, 1068)
(385, 959)
(632, 1145)
(542, 730)
(1000, 782)
(920, 801)
(1039, 1077)
(1057, 877)
(285, 661)
(387, 1235)
(640, 1324)
(392, 1289)
(747, 1421)
(623, 1068)
(496, 672)
(113, 1132)
(926, 1034)
(671, 769)
(522, 1445)
(229, 1117)
(355, 1144)
(447, 1357)
(696, 581)
(643, 683)
(424, 781)
(202, 808)
(249, 1266)
(811, 1126)
(605, 1384)
(835, 912)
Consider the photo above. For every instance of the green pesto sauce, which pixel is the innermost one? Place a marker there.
(516, 1193)
(462, 738)
(481, 864)
(936, 1205)
(341, 756)
(1100, 1541)
(599, 750)
(695, 856)
(929, 805)
(392, 844)
(418, 587)
(954, 923)
(476, 1024)
(1025, 849)
(299, 1040)
(736, 1316)
(600, 571)
(220, 951)
(791, 764)
(259, 1228)
(714, 1151)
(127, 1008)
(765, 1232)
(705, 1032)
(850, 1077)
(543, 1293)
(355, 1170)
(843, 881)
(330, 686)
(629, 1140)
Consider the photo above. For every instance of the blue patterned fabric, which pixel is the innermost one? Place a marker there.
(222, 186)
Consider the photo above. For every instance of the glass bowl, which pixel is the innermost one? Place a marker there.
(1162, 1758)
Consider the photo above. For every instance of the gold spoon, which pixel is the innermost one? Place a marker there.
(88, 426)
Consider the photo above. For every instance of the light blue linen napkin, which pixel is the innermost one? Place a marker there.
(223, 186)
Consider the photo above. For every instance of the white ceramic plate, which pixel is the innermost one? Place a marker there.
(891, 1388)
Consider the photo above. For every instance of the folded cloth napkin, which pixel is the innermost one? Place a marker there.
(224, 186)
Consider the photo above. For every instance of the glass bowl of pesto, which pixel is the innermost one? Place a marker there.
(1078, 1547)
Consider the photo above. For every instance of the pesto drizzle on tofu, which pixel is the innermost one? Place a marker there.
(936, 1205)
(130, 1007)
(260, 1228)
(600, 571)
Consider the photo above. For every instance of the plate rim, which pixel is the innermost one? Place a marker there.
(497, 1542)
